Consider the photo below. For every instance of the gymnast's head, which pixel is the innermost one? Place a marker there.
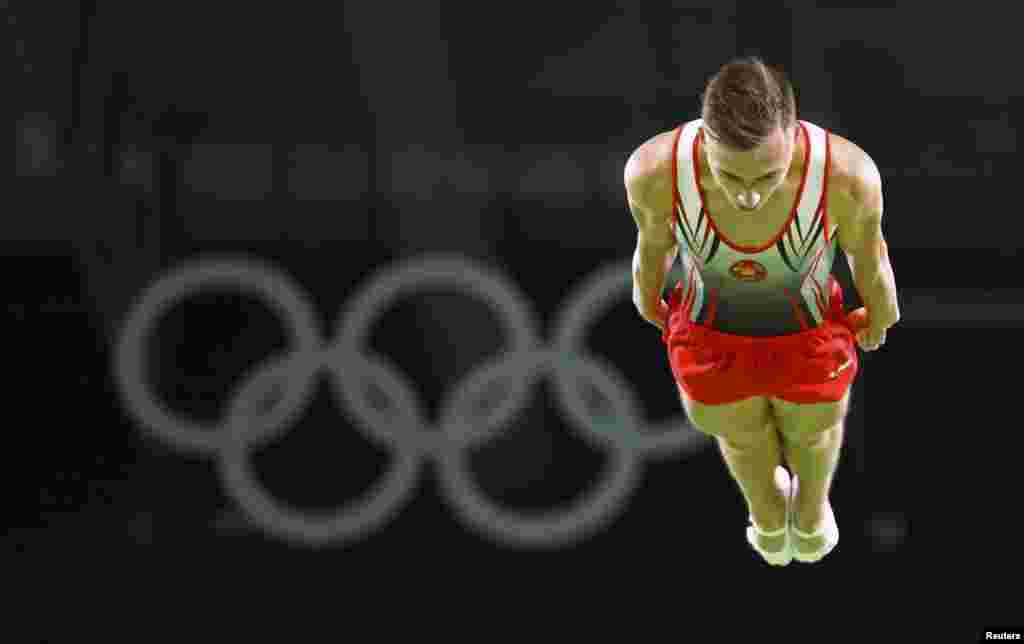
(749, 130)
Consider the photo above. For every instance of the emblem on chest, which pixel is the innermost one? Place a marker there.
(747, 270)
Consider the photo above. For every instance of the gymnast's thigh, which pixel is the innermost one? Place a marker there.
(732, 420)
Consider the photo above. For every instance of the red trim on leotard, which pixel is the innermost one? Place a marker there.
(712, 309)
(797, 313)
(691, 292)
(676, 199)
(792, 214)
(824, 184)
(820, 299)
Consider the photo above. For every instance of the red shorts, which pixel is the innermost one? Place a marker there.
(812, 366)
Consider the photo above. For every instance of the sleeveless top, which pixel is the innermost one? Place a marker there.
(779, 288)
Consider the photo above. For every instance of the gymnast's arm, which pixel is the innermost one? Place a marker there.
(649, 198)
(860, 236)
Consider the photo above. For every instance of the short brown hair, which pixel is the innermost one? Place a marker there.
(745, 101)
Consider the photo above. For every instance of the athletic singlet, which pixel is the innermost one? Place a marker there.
(779, 288)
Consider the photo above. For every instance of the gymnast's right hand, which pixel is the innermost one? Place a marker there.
(656, 314)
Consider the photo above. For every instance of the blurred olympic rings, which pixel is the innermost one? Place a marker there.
(402, 425)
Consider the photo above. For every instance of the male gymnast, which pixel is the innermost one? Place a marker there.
(754, 202)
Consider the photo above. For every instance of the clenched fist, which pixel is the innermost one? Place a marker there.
(870, 334)
(656, 314)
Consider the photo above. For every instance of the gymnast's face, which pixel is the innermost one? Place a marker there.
(750, 178)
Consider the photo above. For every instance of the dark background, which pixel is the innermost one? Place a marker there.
(335, 142)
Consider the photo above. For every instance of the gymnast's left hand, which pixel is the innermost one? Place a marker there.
(870, 333)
